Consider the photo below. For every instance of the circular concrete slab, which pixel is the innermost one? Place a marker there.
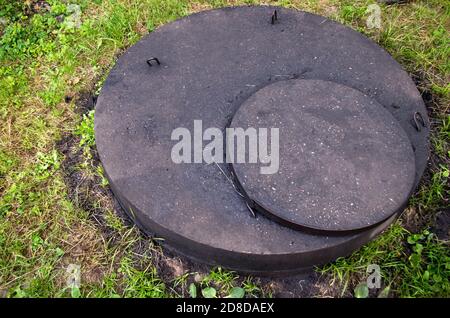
(344, 162)
(209, 63)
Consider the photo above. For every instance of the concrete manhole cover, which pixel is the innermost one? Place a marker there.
(344, 161)
(201, 69)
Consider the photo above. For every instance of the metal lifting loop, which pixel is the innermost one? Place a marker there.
(149, 61)
(419, 122)
(274, 17)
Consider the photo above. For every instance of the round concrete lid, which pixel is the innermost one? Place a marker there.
(209, 63)
(341, 161)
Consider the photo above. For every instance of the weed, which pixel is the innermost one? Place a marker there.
(418, 270)
(86, 131)
(220, 277)
(46, 164)
(141, 283)
(428, 273)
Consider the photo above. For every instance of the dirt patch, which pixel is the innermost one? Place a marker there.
(85, 101)
(304, 285)
(441, 225)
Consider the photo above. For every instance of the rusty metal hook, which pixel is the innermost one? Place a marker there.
(274, 17)
(149, 61)
(419, 122)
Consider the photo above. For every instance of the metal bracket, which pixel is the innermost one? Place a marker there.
(149, 61)
(274, 18)
(252, 212)
(419, 122)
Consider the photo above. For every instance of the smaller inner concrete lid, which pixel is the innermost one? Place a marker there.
(344, 161)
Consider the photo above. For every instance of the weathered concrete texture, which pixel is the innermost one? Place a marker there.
(210, 63)
(345, 162)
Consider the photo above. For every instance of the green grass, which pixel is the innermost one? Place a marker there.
(419, 267)
(85, 130)
(46, 223)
